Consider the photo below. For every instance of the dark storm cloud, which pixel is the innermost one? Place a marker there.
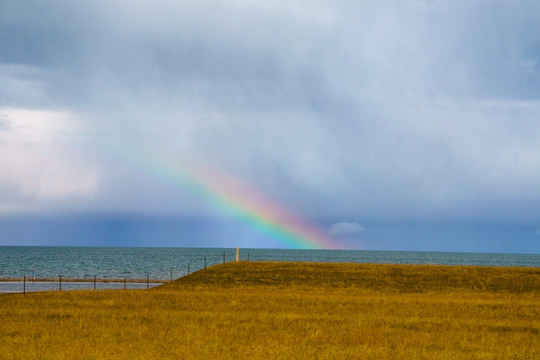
(211, 52)
(366, 109)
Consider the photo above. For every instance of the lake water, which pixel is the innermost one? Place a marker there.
(158, 263)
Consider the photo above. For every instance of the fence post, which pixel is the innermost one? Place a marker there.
(124, 283)
(147, 281)
(205, 263)
(60, 282)
(171, 274)
(94, 282)
(24, 286)
(237, 254)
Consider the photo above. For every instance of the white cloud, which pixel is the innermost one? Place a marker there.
(345, 228)
(40, 160)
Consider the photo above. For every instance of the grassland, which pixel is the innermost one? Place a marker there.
(273, 310)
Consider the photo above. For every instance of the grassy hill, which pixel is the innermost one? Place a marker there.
(375, 277)
(274, 310)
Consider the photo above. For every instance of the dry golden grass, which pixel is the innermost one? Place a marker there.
(288, 311)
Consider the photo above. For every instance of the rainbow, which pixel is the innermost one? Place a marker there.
(236, 199)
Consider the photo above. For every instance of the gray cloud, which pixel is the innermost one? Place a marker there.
(5, 125)
(387, 109)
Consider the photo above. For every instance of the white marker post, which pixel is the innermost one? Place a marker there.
(237, 253)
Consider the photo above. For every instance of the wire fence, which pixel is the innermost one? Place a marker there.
(31, 283)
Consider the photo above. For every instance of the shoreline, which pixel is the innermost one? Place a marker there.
(535, 269)
(86, 280)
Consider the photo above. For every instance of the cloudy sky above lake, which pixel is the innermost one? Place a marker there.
(407, 125)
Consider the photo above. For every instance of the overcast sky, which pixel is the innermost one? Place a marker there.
(388, 124)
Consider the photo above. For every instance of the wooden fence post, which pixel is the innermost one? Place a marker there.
(205, 263)
(24, 286)
(237, 254)
(94, 282)
(147, 281)
(60, 282)
(124, 283)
